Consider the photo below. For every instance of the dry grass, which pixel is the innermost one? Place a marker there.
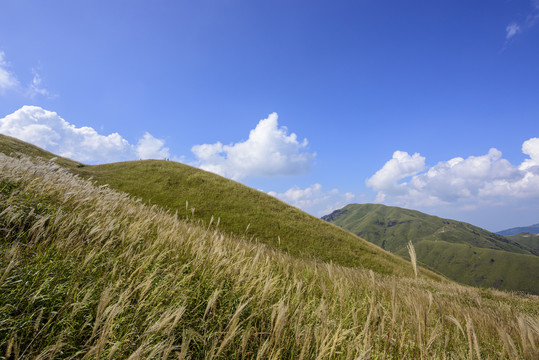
(413, 257)
(89, 273)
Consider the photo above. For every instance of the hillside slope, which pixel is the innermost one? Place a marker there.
(12, 146)
(90, 273)
(531, 240)
(239, 209)
(460, 251)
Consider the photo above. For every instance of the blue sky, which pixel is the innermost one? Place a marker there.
(320, 103)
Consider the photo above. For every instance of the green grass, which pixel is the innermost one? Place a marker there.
(12, 146)
(240, 210)
(458, 250)
(527, 239)
(479, 267)
(90, 273)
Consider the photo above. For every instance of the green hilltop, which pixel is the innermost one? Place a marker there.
(460, 251)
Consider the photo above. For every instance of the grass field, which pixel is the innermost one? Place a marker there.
(91, 273)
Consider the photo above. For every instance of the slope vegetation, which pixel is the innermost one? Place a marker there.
(458, 250)
(12, 146)
(531, 240)
(90, 273)
(237, 209)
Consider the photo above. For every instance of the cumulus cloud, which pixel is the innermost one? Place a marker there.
(466, 182)
(402, 165)
(314, 199)
(511, 30)
(49, 131)
(149, 147)
(8, 80)
(269, 151)
(531, 148)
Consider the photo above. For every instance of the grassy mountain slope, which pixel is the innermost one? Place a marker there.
(478, 266)
(530, 240)
(241, 210)
(87, 272)
(460, 251)
(10, 145)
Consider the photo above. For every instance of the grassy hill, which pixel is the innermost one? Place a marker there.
(238, 209)
(87, 272)
(242, 211)
(12, 146)
(458, 250)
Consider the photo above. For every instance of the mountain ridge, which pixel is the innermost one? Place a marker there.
(534, 229)
(460, 251)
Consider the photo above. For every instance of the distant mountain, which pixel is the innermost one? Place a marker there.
(458, 250)
(534, 229)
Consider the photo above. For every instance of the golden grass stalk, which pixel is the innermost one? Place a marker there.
(413, 258)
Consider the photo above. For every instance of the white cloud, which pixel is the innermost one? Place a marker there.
(314, 199)
(151, 148)
(402, 165)
(36, 88)
(269, 151)
(511, 30)
(531, 148)
(466, 183)
(49, 131)
(8, 80)
(526, 24)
